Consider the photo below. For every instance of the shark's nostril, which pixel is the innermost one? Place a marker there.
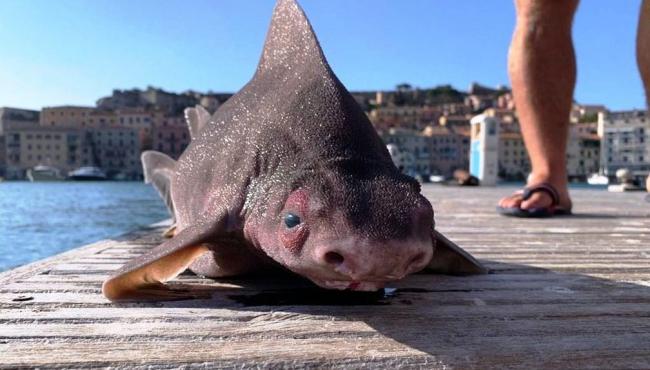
(334, 258)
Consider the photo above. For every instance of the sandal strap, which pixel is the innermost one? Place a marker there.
(544, 187)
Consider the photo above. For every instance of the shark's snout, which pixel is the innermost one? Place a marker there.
(353, 262)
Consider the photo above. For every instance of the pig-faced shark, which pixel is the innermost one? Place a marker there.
(289, 172)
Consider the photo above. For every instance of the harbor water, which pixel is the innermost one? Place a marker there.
(41, 219)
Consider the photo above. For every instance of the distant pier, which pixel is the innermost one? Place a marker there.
(569, 292)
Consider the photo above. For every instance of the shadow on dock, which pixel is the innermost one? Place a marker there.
(512, 314)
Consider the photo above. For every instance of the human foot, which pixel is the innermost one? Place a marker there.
(537, 199)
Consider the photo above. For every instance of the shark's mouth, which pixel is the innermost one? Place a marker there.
(361, 285)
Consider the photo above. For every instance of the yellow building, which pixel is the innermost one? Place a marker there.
(65, 116)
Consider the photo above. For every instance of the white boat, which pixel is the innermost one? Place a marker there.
(88, 173)
(44, 173)
(437, 179)
(597, 179)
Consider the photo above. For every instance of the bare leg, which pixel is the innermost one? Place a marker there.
(543, 73)
(643, 54)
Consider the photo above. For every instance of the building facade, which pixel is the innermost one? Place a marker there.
(625, 142)
(115, 150)
(448, 149)
(170, 135)
(11, 118)
(514, 163)
(414, 143)
(66, 116)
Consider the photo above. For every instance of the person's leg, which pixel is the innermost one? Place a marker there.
(543, 72)
(643, 54)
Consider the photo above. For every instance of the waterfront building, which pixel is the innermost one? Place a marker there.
(448, 149)
(16, 117)
(140, 120)
(66, 116)
(583, 151)
(406, 117)
(115, 150)
(514, 163)
(11, 118)
(625, 142)
(103, 118)
(170, 135)
(402, 159)
(31, 145)
(415, 143)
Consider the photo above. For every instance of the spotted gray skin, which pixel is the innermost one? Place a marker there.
(289, 172)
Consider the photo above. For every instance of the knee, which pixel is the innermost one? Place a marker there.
(539, 18)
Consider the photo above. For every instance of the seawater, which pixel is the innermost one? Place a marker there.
(38, 220)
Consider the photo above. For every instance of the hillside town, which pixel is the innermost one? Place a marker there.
(428, 132)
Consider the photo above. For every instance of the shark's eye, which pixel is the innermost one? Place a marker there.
(291, 220)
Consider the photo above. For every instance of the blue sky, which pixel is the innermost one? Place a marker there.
(75, 51)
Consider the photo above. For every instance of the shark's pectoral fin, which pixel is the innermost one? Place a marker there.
(449, 258)
(158, 170)
(143, 278)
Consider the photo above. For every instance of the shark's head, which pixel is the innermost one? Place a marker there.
(349, 225)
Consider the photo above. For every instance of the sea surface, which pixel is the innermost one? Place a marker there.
(38, 220)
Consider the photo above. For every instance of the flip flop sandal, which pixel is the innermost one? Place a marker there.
(526, 193)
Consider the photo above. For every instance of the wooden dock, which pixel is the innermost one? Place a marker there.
(563, 293)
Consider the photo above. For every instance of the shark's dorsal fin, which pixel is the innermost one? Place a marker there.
(290, 42)
(196, 119)
(158, 169)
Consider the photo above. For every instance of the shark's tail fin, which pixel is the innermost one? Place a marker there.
(196, 118)
(158, 171)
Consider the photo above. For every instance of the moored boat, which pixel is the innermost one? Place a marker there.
(597, 179)
(88, 173)
(44, 173)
